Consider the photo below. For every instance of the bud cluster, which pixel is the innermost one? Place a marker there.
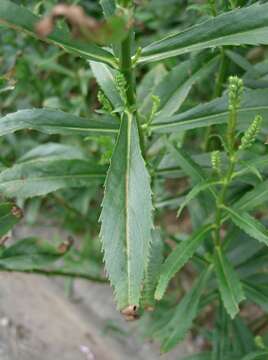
(121, 85)
(235, 92)
(105, 103)
(216, 161)
(251, 133)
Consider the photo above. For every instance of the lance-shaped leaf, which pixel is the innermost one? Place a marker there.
(176, 85)
(55, 122)
(127, 217)
(216, 112)
(196, 190)
(152, 270)
(257, 294)
(10, 215)
(248, 25)
(248, 224)
(253, 198)
(184, 314)
(257, 355)
(229, 285)
(40, 177)
(29, 254)
(22, 19)
(178, 258)
(105, 78)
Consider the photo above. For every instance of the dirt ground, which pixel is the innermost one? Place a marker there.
(39, 322)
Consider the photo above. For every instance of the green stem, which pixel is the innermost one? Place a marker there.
(221, 200)
(126, 68)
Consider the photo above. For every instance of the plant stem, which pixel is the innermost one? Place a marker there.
(221, 200)
(127, 70)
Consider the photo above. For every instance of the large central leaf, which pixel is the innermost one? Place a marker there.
(127, 216)
(240, 26)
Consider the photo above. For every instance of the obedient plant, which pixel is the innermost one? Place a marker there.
(227, 247)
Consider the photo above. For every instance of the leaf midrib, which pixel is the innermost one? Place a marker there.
(193, 120)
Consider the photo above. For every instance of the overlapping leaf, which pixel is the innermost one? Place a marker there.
(40, 177)
(126, 217)
(230, 287)
(184, 314)
(248, 224)
(248, 25)
(216, 112)
(55, 122)
(178, 258)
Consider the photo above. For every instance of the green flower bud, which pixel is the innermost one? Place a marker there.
(104, 101)
(216, 161)
(250, 135)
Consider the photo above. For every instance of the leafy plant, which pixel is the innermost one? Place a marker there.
(148, 118)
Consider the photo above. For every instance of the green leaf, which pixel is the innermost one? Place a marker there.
(55, 122)
(105, 78)
(257, 355)
(185, 312)
(248, 224)
(40, 177)
(53, 151)
(176, 85)
(178, 258)
(29, 254)
(257, 294)
(196, 190)
(108, 7)
(9, 216)
(248, 25)
(253, 198)
(187, 164)
(229, 285)
(147, 87)
(216, 112)
(152, 270)
(127, 216)
(22, 19)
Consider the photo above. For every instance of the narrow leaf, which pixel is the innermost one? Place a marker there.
(105, 78)
(40, 177)
(55, 122)
(22, 19)
(127, 217)
(257, 294)
(152, 270)
(178, 258)
(248, 224)
(229, 285)
(196, 190)
(216, 112)
(185, 312)
(176, 85)
(248, 25)
(257, 355)
(253, 198)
